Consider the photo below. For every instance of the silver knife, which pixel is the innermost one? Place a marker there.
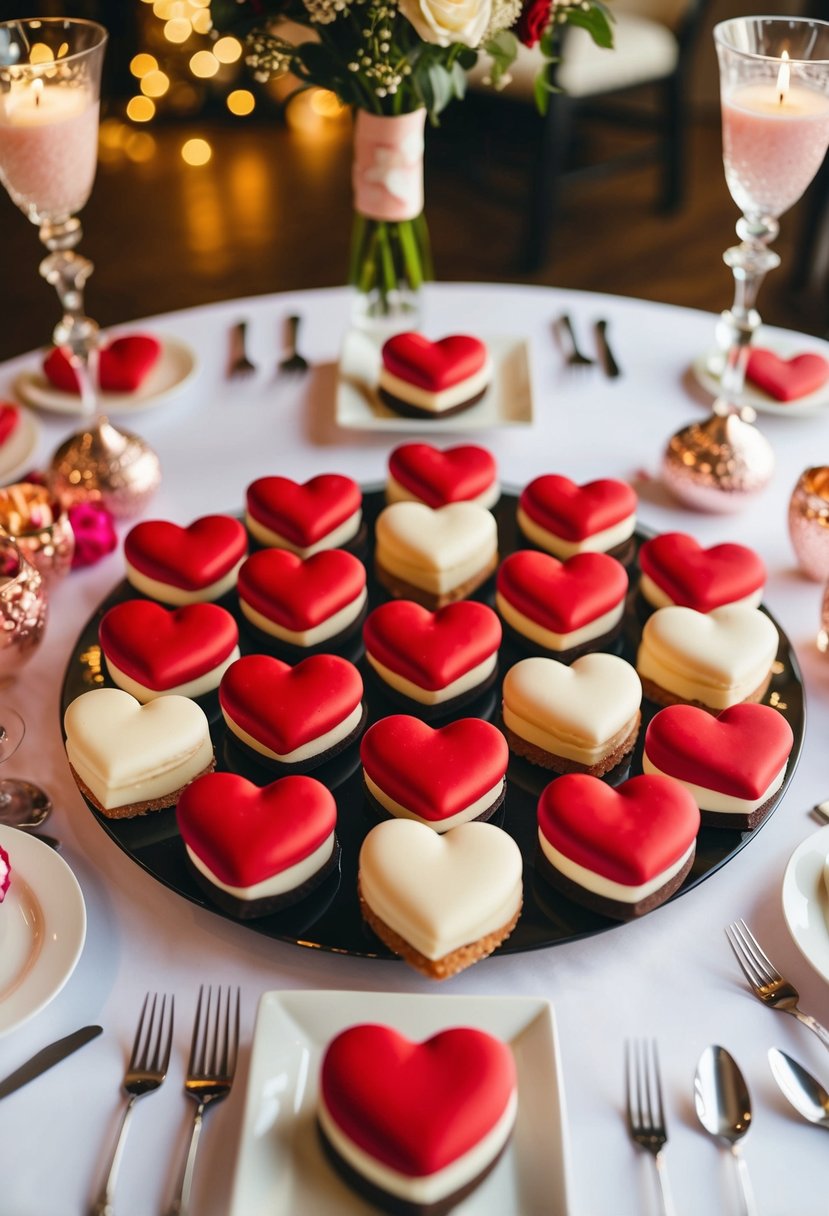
(45, 1058)
(611, 367)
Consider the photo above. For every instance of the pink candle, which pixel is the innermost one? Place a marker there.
(48, 147)
(773, 144)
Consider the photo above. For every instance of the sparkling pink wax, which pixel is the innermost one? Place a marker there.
(48, 150)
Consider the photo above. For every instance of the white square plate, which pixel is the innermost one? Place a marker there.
(507, 401)
(280, 1166)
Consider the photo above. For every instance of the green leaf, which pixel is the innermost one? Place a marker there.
(458, 80)
(541, 92)
(549, 44)
(441, 83)
(467, 58)
(595, 21)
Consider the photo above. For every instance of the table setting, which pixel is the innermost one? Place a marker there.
(612, 1060)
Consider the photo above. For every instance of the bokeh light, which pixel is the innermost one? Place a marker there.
(155, 84)
(196, 152)
(241, 102)
(204, 64)
(140, 109)
(143, 63)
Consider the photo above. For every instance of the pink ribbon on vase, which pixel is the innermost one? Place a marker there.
(387, 173)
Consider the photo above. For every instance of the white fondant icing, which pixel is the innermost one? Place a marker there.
(435, 549)
(470, 812)
(599, 542)
(712, 800)
(337, 623)
(660, 599)
(428, 696)
(168, 594)
(191, 688)
(334, 539)
(606, 887)
(436, 402)
(550, 640)
(395, 492)
(315, 747)
(286, 880)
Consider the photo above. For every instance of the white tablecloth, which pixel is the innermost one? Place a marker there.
(670, 975)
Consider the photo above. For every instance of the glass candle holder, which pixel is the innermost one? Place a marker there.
(809, 522)
(40, 526)
(22, 608)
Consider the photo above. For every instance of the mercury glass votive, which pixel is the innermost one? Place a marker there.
(22, 608)
(40, 526)
(809, 522)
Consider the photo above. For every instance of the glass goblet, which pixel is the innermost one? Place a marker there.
(50, 79)
(22, 805)
(774, 90)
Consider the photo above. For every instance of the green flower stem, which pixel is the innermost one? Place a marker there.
(389, 256)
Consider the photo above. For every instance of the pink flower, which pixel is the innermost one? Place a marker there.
(95, 534)
(534, 19)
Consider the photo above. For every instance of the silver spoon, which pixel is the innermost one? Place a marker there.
(723, 1107)
(804, 1091)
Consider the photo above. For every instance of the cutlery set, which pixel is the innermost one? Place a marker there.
(241, 366)
(574, 356)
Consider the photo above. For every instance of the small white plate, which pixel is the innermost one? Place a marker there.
(174, 367)
(705, 369)
(17, 452)
(42, 928)
(806, 900)
(280, 1166)
(507, 401)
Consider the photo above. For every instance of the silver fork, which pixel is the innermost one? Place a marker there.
(210, 1072)
(765, 981)
(294, 363)
(240, 366)
(146, 1070)
(574, 357)
(645, 1111)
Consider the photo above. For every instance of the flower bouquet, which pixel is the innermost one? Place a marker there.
(395, 62)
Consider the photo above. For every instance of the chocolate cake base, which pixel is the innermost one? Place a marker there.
(250, 909)
(395, 1205)
(400, 589)
(561, 764)
(347, 639)
(662, 696)
(616, 909)
(421, 709)
(301, 766)
(734, 819)
(380, 811)
(440, 968)
(132, 809)
(408, 410)
(624, 553)
(605, 642)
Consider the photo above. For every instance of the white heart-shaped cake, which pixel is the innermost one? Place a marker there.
(441, 538)
(129, 754)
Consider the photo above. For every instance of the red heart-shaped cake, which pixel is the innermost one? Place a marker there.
(190, 558)
(287, 707)
(163, 649)
(786, 379)
(9, 421)
(561, 596)
(416, 1108)
(300, 594)
(575, 512)
(123, 365)
(434, 366)
(244, 834)
(303, 513)
(432, 649)
(739, 752)
(436, 773)
(438, 477)
(699, 578)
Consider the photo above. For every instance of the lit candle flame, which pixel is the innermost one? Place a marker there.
(37, 89)
(783, 77)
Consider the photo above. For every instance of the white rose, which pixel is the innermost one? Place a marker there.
(446, 21)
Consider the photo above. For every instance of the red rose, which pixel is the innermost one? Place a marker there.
(534, 19)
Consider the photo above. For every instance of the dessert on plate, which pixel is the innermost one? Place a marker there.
(419, 472)
(564, 518)
(310, 602)
(424, 379)
(416, 1127)
(323, 513)
(185, 565)
(5, 873)
(435, 556)
(677, 570)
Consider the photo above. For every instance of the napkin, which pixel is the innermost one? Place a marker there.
(786, 379)
(124, 364)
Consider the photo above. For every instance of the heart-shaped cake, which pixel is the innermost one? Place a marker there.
(435, 556)
(441, 777)
(433, 657)
(419, 1123)
(9, 421)
(296, 716)
(565, 518)
(169, 746)
(423, 473)
(323, 513)
(123, 366)
(150, 650)
(185, 565)
(419, 377)
(442, 902)
(732, 763)
(786, 379)
(676, 569)
(302, 601)
(258, 849)
(621, 851)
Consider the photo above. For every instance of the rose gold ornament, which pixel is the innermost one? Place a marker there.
(719, 464)
(104, 464)
(31, 516)
(22, 608)
(809, 522)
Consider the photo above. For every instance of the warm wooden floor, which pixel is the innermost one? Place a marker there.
(272, 208)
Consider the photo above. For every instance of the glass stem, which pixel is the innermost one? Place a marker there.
(750, 262)
(68, 271)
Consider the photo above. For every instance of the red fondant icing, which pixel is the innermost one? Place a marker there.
(562, 596)
(416, 1107)
(575, 512)
(435, 773)
(162, 649)
(629, 835)
(699, 578)
(739, 752)
(303, 514)
(9, 420)
(190, 558)
(786, 379)
(433, 366)
(244, 834)
(439, 477)
(432, 649)
(285, 707)
(123, 365)
(300, 594)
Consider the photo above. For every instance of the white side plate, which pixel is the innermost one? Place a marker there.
(705, 368)
(42, 928)
(806, 900)
(507, 401)
(16, 453)
(280, 1166)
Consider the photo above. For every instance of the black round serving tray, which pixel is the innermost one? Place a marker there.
(329, 918)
